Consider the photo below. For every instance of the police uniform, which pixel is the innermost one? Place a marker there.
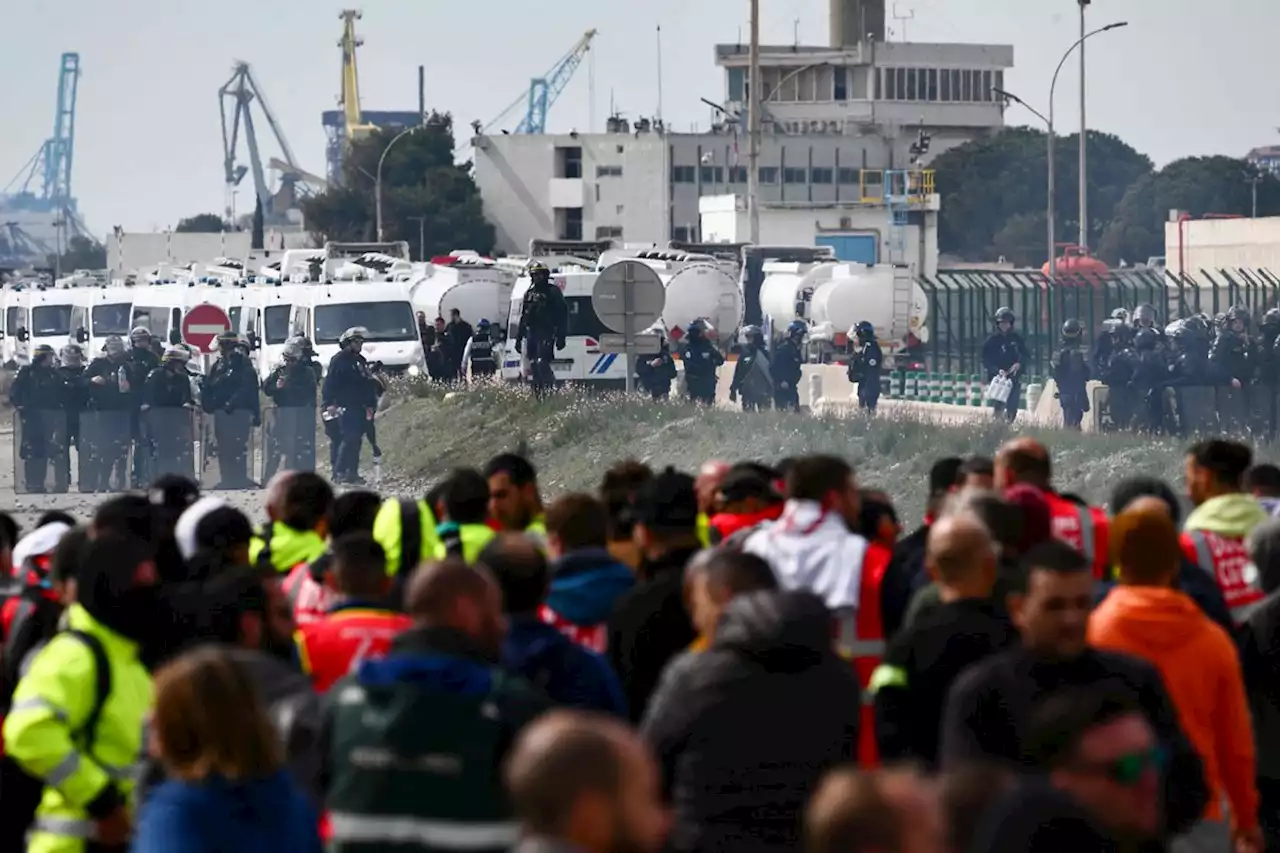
(292, 387)
(752, 374)
(40, 394)
(350, 390)
(479, 351)
(701, 363)
(1000, 352)
(167, 423)
(230, 394)
(785, 366)
(866, 366)
(106, 427)
(543, 327)
(1071, 375)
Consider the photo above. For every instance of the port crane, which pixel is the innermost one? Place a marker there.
(543, 91)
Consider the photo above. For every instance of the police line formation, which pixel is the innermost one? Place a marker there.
(752, 659)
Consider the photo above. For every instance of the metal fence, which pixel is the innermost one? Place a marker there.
(962, 303)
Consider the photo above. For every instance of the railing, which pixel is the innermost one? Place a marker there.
(905, 186)
(962, 303)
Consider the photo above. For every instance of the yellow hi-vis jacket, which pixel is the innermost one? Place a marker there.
(474, 538)
(288, 547)
(51, 704)
(389, 532)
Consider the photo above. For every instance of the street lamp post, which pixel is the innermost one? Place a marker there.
(377, 181)
(1084, 139)
(422, 235)
(1049, 154)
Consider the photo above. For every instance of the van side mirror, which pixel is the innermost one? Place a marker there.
(22, 334)
(255, 342)
(82, 335)
(175, 337)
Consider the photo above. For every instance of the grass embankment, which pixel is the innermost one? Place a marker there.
(572, 437)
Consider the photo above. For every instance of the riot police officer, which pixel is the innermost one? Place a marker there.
(752, 375)
(1268, 333)
(107, 424)
(350, 396)
(1071, 374)
(166, 417)
(701, 363)
(543, 327)
(1002, 355)
(308, 356)
(479, 352)
(787, 358)
(141, 353)
(656, 373)
(230, 394)
(1150, 378)
(292, 387)
(40, 396)
(71, 368)
(1232, 352)
(866, 365)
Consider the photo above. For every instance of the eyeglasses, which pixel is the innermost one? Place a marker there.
(1128, 769)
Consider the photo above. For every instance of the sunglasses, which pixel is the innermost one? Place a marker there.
(1128, 769)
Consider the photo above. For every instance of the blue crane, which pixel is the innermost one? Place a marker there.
(544, 90)
(52, 162)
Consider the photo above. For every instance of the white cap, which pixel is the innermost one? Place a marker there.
(41, 541)
(184, 532)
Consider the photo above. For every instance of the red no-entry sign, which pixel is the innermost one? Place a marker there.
(202, 324)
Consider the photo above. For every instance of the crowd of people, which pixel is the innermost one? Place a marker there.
(751, 657)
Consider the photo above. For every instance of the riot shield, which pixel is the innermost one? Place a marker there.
(167, 443)
(288, 440)
(1233, 411)
(228, 450)
(1262, 412)
(1197, 410)
(41, 456)
(106, 442)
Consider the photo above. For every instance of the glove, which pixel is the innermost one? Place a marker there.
(733, 396)
(519, 346)
(559, 343)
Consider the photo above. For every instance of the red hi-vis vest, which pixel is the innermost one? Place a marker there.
(311, 600)
(334, 646)
(1227, 559)
(1084, 528)
(860, 638)
(593, 637)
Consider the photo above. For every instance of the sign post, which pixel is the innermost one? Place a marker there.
(201, 326)
(628, 297)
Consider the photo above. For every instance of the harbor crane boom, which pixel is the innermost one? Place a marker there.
(543, 91)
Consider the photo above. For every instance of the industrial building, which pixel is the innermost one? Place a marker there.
(834, 119)
(1221, 243)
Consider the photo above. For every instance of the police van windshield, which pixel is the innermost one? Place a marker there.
(386, 321)
(276, 324)
(51, 320)
(112, 319)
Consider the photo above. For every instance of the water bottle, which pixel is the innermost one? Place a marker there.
(122, 380)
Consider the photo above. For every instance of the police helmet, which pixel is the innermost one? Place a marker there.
(1238, 312)
(538, 272)
(1072, 330)
(1144, 315)
(113, 345)
(1271, 318)
(292, 351)
(1120, 314)
(483, 324)
(352, 334)
(42, 349)
(307, 347)
(797, 328)
(751, 333)
(1005, 315)
(176, 353)
(71, 355)
(140, 334)
(698, 326)
(1145, 339)
(228, 337)
(863, 330)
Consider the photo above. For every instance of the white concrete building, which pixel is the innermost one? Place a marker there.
(1214, 244)
(133, 251)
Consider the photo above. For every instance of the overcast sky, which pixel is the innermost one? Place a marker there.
(1187, 76)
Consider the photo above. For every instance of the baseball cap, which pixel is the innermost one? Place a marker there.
(743, 484)
(184, 533)
(669, 501)
(39, 542)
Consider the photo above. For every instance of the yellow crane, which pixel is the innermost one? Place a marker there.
(349, 99)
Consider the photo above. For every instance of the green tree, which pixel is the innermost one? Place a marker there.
(82, 253)
(201, 223)
(987, 182)
(1195, 185)
(1022, 240)
(419, 178)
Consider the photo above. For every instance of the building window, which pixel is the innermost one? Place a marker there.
(608, 171)
(684, 174)
(570, 162)
(822, 175)
(933, 85)
(944, 88)
(847, 175)
(737, 174)
(966, 86)
(1000, 80)
(794, 175)
(986, 86)
(841, 83)
(572, 223)
(955, 85)
(806, 86)
(912, 92)
(713, 174)
(901, 74)
(890, 85)
(768, 174)
(824, 83)
(682, 233)
(609, 232)
(737, 84)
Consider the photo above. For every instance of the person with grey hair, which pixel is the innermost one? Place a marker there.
(1259, 640)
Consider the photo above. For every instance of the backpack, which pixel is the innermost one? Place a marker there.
(20, 792)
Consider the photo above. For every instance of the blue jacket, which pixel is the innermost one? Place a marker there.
(569, 674)
(267, 815)
(586, 584)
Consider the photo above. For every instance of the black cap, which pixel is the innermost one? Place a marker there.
(669, 502)
(743, 484)
(174, 492)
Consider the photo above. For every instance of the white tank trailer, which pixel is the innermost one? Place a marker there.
(836, 296)
(479, 291)
(697, 286)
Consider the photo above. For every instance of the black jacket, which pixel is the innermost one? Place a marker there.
(899, 586)
(1003, 351)
(920, 666)
(299, 388)
(1259, 639)
(990, 706)
(649, 626)
(744, 731)
(1037, 818)
(231, 386)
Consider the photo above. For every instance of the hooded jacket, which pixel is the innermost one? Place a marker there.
(259, 816)
(568, 673)
(771, 669)
(1198, 663)
(728, 523)
(585, 586)
(1213, 538)
(812, 548)
(1232, 515)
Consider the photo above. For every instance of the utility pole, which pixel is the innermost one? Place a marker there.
(753, 128)
(1084, 141)
(422, 235)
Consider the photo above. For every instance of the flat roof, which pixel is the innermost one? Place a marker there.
(886, 53)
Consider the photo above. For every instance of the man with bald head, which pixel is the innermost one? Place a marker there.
(416, 738)
(1025, 461)
(298, 507)
(911, 685)
(585, 783)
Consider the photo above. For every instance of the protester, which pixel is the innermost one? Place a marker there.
(650, 624)
(618, 490)
(711, 582)
(440, 693)
(463, 531)
(977, 472)
(569, 673)
(886, 811)
(514, 499)
(770, 669)
(1263, 482)
(922, 662)
(584, 783)
(222, 539)
(310, 599)
(298, 504)
(359, 625)
(1149, 619)
(227, 788)
(1260, 661)
(990, 706)
(707, 484)
(746, 498)
(907, 563)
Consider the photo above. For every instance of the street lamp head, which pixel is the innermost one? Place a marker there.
(1115, 26)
